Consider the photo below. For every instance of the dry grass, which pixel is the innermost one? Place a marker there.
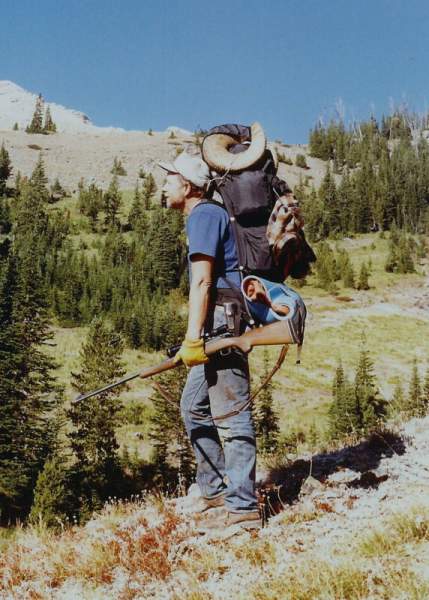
(125, 540)
(400, 531)
(142, 549)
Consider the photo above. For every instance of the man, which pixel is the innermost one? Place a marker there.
(215, 388)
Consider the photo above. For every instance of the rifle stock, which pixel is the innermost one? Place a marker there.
(269, 335)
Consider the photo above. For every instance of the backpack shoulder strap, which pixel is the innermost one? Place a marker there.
(209, 201)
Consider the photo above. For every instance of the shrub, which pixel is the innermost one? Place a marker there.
(284, 159)
(118, 167)
(301, 161)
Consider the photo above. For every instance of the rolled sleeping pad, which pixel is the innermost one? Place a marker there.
(278, 293)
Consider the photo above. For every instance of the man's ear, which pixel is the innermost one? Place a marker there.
(188, 188)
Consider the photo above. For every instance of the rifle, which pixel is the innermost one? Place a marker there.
(269, 335)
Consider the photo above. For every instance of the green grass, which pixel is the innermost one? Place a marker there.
(401, 530)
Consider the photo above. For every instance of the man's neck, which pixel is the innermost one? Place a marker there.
(191, 203)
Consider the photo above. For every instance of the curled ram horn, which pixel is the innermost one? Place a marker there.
(216, 153)
(274, 154)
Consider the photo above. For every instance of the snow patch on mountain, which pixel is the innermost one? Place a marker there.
(17, 106)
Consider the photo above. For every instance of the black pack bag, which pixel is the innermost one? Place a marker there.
(249, 195)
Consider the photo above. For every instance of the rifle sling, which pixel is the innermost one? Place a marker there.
(279, 362)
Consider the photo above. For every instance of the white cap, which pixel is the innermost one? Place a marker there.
(192, 168)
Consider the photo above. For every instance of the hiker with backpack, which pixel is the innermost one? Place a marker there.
(215, 401)
(225, 472)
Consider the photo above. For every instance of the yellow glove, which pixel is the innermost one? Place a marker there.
(191, 353)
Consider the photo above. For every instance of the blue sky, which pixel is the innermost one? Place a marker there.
(141, 64)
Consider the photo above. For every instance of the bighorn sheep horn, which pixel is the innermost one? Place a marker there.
(216, 154)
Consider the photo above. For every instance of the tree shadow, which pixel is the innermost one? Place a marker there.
(283, 484)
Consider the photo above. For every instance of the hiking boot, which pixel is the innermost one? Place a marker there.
(231, 523)
(201, 505)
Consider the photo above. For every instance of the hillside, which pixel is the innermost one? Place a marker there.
(17, 106)
(349, 516)
(81, 149)
(71, 156)
(393, 314)
(351, 523)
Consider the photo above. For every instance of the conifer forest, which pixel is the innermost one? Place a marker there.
(118, 272)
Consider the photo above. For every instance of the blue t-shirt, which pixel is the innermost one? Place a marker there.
(209, 232)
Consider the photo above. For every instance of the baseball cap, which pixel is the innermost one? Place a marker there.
(192, 168)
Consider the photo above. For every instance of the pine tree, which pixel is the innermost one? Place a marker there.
(345, 268)
(36, 125)
(405, 262)
(53, 500)
(415, 405)
(363, 280)
(148, 191)
(5, 168)
(49, 126)
(345, 197)
(266, 418)
(312, 208)
(5, 221)
(93, 439)
(425, 395)
(28, 394)
(163, 265)
(90, 202)
(344, 412)
(349, 276)
(39, 181)
(326, 267)
(329, 197)
(112, 201)
(336, 409)
(136, 212)
(372, 406)
(15, 127)
(398, 400)
(173, 455)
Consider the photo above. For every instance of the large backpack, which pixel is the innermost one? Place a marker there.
(253, 197)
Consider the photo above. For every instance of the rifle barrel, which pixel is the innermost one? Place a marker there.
(276, 333)
(166, 364)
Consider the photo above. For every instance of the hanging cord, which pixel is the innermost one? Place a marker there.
(280, 360)
(271, 374)
(166, 395)
(220, 178)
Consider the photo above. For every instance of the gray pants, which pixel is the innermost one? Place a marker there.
(214, 389)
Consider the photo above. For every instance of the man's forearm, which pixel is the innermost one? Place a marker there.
(199, 299)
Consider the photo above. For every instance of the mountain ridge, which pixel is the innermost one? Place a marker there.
(17, 106)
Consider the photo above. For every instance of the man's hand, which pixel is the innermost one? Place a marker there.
(191, 353)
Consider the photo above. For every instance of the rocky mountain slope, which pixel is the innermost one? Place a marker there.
(80, 149)
(352, 523)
